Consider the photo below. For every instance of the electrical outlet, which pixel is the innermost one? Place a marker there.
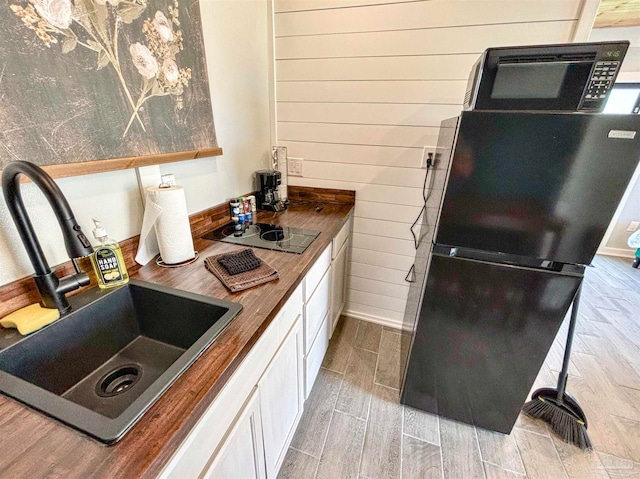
(426, 151)
(294, 166)
(633, 226)
(168, 179)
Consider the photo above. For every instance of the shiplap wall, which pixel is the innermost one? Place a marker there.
(361, 88)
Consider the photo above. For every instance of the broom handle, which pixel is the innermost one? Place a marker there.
(562, 379)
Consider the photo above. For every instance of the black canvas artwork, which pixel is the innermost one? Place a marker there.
(84, 80)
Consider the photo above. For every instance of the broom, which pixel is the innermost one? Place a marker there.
(557, 408)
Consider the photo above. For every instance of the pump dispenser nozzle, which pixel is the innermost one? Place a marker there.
(98, 231)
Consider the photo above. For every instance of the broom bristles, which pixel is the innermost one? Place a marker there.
(567, 426)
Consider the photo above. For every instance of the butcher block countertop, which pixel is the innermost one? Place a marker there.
(35, 446)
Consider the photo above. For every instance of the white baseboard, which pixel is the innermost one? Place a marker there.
(619, 252)
(392, 323)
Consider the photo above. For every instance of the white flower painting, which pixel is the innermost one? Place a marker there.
(122, 62)
(56, 12)
(144, 60)
(163, 27)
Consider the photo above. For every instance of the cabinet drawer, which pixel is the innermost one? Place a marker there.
(289, 313)
(340, 238)
(316, 273)
(316, 309)
(313, 360)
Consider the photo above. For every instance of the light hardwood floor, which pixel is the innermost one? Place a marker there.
(354, 427)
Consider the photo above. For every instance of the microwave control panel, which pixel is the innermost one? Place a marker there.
(601, 81)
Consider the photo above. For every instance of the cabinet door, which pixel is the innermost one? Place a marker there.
(338, 283)
(241, 455)
(316, 310)
(281, 399)
(313, 359)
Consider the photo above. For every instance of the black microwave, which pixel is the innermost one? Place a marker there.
(568, 77)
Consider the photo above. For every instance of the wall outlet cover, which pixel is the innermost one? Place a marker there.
(294, 166)
(426, 151)
(633, 226)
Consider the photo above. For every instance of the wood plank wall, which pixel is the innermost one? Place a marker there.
(361, 88)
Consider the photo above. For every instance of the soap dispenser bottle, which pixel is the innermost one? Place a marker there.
(107, 259)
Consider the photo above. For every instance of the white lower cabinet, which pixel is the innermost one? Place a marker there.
(338, 284)
(221, 436)
(242, 453)
(313, 359)
(317, 303)
(247, 429)
(315, 310)
(281, 400)
(258, 442)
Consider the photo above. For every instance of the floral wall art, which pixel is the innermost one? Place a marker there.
(83, 80)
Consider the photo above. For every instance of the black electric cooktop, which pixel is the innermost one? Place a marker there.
(264, 235)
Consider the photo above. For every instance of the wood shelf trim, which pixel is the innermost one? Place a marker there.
(101, 166)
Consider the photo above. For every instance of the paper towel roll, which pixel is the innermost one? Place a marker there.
(166, 211)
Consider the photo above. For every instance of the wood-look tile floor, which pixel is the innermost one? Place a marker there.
(354, 426)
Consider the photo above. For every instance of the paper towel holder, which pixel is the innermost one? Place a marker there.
(162, 264)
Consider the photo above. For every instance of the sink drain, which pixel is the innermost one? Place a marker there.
(119, 380)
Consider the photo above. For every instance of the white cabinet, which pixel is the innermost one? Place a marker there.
(316, 273)
(341, 238)
(281, 400)
(317, 302)
(338, 283)
(313, 359)
(315, 310)
(242, 453)
(339, 275)
(324, 300)
(212, 433)
(246, 431)
(316, 334)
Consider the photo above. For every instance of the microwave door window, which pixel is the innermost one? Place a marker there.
(529, 80)
(538, 85)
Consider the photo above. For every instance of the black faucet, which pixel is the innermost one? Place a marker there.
(52, 290)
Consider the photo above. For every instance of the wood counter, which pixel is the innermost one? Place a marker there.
(37, 447)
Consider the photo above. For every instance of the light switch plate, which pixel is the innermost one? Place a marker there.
(633, 226)
(294, 166)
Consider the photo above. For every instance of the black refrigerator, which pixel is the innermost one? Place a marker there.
(527, 200)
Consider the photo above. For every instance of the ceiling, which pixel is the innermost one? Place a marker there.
(618, 13)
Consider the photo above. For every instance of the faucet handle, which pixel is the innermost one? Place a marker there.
(73, 282)
(74, 262)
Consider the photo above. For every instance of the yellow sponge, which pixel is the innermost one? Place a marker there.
(30, 318)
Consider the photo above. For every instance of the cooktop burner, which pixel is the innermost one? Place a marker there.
(267, 236)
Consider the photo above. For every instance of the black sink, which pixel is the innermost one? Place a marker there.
(99, 368)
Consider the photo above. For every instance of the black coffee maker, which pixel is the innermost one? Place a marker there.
(268, 197)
